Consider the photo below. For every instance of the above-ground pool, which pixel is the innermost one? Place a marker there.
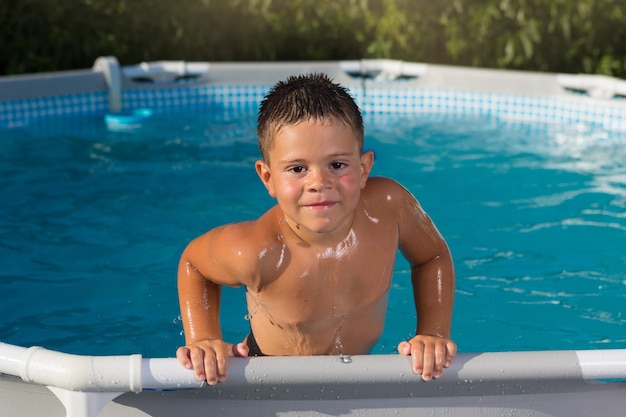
(102, 190)
(94, 222)
(96, 215)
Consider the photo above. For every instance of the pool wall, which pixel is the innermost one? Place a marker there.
(539, 384)
(377, 85)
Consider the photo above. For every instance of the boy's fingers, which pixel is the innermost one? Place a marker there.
(219, 364)
(215, 368)
(430, 355)
(450, 354)
(221, 360)
(222, 367)
(417, 352)
(182, 354)
(404, 348)
(210, 370)
(440, 358)
(198, 361)
(240, 350)
(429, 358)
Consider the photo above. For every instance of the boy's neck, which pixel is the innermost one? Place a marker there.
(320, 240)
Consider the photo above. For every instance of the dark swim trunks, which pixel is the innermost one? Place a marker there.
(253, 347)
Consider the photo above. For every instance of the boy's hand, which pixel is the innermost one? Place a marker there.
(209, 358)
(430, 354)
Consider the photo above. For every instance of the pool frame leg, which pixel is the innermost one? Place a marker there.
(83, 404)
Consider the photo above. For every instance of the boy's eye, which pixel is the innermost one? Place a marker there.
(338, 165)
(297, 169)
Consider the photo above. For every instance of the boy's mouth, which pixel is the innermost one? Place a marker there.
(321, 205)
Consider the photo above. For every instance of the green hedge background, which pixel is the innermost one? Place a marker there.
(573, 36)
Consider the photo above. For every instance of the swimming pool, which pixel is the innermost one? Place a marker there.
(548, 194)
(94, 219)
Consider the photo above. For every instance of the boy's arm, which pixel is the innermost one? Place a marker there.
(199, 299)
(433, 292)
(432, 276)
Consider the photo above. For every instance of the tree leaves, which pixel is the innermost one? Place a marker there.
(542, 35)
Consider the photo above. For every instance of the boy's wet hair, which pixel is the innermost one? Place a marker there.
(305, 97)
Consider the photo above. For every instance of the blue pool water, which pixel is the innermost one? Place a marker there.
(93, 222)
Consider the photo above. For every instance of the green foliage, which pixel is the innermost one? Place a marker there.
(541, 35)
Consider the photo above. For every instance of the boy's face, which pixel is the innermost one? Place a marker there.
(316, 173)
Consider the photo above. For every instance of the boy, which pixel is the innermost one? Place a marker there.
(317, 266)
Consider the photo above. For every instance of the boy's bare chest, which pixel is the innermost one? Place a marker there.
(334, 281)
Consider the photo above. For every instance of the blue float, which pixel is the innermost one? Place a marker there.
(125, 121)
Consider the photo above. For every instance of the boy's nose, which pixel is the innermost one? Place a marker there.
(317, 180)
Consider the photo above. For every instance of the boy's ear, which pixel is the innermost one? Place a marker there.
(367, 161)
(263, 171)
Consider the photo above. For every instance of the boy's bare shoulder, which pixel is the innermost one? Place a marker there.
(385, 189)
(386, 198)
(252, 235)
(235, 249)
(257, 245)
